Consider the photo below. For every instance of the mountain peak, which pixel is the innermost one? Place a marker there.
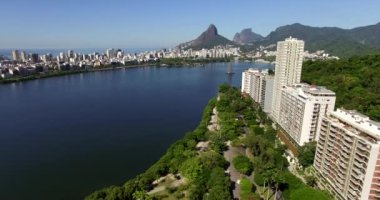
(208, 39)
(212, 30)
(246, 36)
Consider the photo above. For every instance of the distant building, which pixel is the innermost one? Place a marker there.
(110, 53)
(259, 85)
(34, 58)
(301, 110)
(24, 56)
(348, 155)
(70, 54)
(16, 55)
(289, 59)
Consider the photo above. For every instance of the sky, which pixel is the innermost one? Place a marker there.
(163, 23)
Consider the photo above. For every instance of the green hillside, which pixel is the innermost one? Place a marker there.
(355, 80)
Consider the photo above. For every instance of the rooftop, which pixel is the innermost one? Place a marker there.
(358, 121)
(305, 90)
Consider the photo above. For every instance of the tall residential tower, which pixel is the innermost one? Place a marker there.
(348, 155)
(289, 59)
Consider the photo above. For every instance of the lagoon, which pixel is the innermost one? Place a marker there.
(65, 137)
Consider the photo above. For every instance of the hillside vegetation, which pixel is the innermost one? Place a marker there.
(356, 82)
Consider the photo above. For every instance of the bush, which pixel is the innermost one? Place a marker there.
(243, 164)
(246, 189)
(259, 179)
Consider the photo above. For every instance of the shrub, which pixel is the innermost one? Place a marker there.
(243, 164)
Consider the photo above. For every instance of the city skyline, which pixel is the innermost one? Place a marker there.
(72, 24)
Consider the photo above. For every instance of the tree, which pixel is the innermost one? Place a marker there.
(212, 159)
(141, 195)
(247, 190)
(311, 181)
(243, 164)
(191, 168)
(306, 154)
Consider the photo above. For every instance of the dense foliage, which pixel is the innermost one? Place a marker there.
(356, 81)
(243, 164)
(335, 41)
(306, 154)
(247, 190)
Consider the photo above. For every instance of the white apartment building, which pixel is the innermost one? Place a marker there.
(348, 155)
(289, 59)
(301, 110)
(259, 85)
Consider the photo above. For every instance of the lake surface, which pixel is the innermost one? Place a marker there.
(64, 137)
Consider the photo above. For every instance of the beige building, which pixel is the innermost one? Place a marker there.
(289, 59)
(301, 111)
(348, 155)
(16, 55)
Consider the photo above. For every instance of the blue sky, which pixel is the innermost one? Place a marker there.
(163, 23)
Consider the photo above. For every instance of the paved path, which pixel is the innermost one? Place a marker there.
(229, 155)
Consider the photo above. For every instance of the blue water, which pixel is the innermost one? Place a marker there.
(64, 137)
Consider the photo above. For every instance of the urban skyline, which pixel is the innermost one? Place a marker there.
(72, 24)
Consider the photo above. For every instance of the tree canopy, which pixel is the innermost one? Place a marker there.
(356, 81)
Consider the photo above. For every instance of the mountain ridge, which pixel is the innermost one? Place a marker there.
(247, 36)
(208, 39)
(334, 40)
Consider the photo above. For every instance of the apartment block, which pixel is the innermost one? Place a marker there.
(259, 85)
(289, 58)
(301, 110)
(348, 155)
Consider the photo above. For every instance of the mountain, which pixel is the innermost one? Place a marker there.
(336, 41)
(208, 39)
(246, 36)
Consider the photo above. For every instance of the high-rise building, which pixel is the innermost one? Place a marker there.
(259, 85)
(34, 58)
(301, 110)
(16, 55)
(110, 53)
(70, 54)
(289, 59)
(24, 56)
(348, 155)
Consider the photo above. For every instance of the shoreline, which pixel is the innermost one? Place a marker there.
(57, 73)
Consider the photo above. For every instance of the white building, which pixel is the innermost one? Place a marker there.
(259, 85)
(289, 59)
(301, 110)
(348, 155)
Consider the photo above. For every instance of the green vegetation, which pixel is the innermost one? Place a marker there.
(335, 41)
(305, 193)
(306, 154)
(243, 164)
(247, 190)
(204, 171)
(356, 81)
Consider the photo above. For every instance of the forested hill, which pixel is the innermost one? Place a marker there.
(336, 41)
(355, 80)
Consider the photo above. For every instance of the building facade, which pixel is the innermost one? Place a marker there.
(259, 85)
(301, 110)
(16, 55)
(289, 59)
(348, 155)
